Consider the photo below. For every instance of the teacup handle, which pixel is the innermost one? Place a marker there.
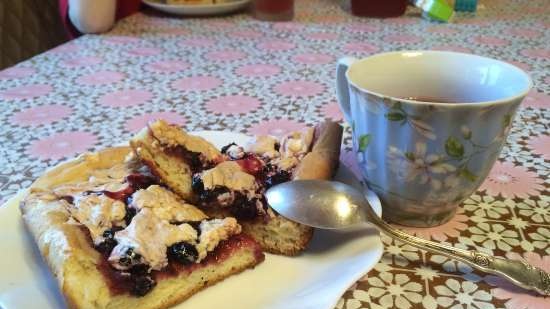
(342, 91)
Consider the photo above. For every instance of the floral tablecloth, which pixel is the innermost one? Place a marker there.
(235, 73)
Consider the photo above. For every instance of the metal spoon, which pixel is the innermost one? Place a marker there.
(334, 205)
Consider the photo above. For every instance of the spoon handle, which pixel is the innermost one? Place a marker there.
(518, 272)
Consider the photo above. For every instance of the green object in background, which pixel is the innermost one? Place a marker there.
(435, 9)
(466, 5)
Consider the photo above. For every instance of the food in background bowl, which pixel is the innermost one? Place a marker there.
(177, 2)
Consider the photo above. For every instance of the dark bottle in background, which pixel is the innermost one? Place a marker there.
(273, 10)
(378, 8)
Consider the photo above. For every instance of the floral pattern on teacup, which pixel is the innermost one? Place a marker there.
(437, 154)
(421, 167)
(397, 113)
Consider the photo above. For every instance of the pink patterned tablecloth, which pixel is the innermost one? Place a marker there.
(235, 73)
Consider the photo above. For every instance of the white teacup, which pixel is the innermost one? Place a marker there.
(427, 126)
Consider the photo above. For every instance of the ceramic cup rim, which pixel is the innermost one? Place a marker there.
(480, 104)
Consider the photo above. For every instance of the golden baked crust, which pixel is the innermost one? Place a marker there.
(275, 234)
(282, 236)
(80, 169)
(322, 161)
(68, 251)
(151, 145)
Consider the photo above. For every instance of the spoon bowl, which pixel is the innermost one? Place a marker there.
(337, 206)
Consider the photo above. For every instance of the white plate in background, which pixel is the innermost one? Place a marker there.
(316, 279)
(198, 9)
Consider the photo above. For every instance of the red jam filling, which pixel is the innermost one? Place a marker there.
(135, 182)
(121, 195)
(120, 283)
(251, 164)
(138, 281)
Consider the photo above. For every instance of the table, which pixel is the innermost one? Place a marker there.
(235, 73)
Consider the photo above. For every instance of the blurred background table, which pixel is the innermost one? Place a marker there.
(238, 74)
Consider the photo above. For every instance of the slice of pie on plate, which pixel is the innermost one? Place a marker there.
(115, 237)
(231, 182)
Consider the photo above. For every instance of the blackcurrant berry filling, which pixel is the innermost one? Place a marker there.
(244, 208)
(69, 199)
(197, 185)
(196, 225)
(141, 281)
(277, 178)
(142, 285)
(130, 258)
(130, 213)
(139, 181)
(183, 253)
(226, 147)
(109, 242)
(211, 196)
(193, 159)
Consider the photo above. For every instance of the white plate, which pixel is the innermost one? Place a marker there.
(198, 9)
(314, 280)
